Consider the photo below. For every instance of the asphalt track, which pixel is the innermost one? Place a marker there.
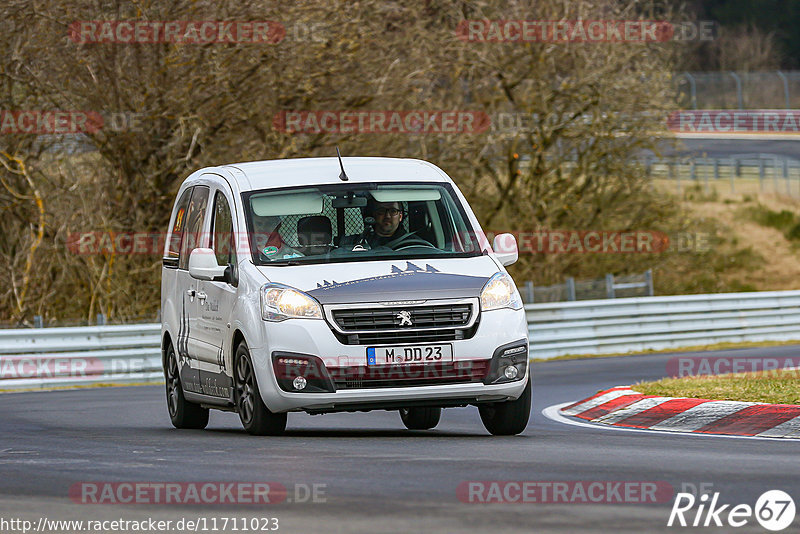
(378, 476)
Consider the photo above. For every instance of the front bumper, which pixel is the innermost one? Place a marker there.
(314, 337)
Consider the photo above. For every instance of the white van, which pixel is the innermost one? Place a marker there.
(326, 285)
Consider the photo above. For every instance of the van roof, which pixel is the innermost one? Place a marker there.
(313, 171)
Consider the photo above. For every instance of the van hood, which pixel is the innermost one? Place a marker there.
(387, 280)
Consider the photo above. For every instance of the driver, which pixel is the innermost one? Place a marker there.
(388, 216)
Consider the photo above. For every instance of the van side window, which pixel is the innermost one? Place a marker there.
(176, 232)
(194, 224)
(222, 232)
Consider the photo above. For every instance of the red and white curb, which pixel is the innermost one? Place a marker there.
(623, 407)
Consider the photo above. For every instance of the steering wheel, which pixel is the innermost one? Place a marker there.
(407, 241)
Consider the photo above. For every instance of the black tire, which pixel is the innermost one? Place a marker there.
(507, 418)
(420, 418)
(182, 413)
(255, 416)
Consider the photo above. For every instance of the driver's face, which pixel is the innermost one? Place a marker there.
(388, 216)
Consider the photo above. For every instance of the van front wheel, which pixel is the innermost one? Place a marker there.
(507, 418)
(254, 414)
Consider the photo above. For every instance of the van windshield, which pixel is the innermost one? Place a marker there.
(356, 222)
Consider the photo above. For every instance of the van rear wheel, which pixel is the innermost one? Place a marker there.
(182, 413)
(254, 414)
(420, 418)
(510, 417)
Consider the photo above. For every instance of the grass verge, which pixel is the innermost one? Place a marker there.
(774, 387)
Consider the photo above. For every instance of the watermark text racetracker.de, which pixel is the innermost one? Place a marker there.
(682, 366)
(564, 492)
(72, 366)
(583, 31)
(381, 122)
(762, 121)
(60, 122)
(197, 493)
(598, 241)
(531, 242)
(175, 31)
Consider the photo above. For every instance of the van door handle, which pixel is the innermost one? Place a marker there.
(201, 295)
(191, 292)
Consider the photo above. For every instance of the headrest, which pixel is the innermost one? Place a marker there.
(314, 230)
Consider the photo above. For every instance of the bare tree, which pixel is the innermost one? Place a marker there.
(584, 111)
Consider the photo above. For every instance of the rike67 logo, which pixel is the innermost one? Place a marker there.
(774, 510)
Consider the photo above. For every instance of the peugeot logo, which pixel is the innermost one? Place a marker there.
(405, 318)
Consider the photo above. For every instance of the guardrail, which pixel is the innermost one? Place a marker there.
(781, 171)
(636, 285)
(645, 323)
(74, 356)
(52, 357)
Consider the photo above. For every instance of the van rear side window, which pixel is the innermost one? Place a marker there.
(194, 224)
(176, 232)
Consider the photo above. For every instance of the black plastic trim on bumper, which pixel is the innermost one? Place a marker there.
(396, 405)
(316, 374)
(500, 361)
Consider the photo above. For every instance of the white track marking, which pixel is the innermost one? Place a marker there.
(552, 413)
(701, 415)
(597, 401)
(635, 408)
(790, 428)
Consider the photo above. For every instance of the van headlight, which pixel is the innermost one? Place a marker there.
(279, 302)
(500, 292)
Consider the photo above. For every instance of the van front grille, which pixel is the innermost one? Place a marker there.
(439, 316)
(379, 325)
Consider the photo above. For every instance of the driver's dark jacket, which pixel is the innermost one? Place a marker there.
(376, 240)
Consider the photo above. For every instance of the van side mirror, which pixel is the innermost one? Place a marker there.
(203, 265)
(505, 248)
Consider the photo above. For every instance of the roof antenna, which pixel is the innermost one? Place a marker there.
(343, 177)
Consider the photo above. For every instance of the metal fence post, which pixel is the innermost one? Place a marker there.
(610, 286)
(648, 278)
(570, 288)
(38, 322)
(716, 169)
(786, 177)
(782, 76)
(739, 98)
(529, 294)
(761, 174)
(101, 319)
(775, 174)
(692, 88)
(734, 168)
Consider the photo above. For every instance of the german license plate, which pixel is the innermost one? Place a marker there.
(409, 354)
